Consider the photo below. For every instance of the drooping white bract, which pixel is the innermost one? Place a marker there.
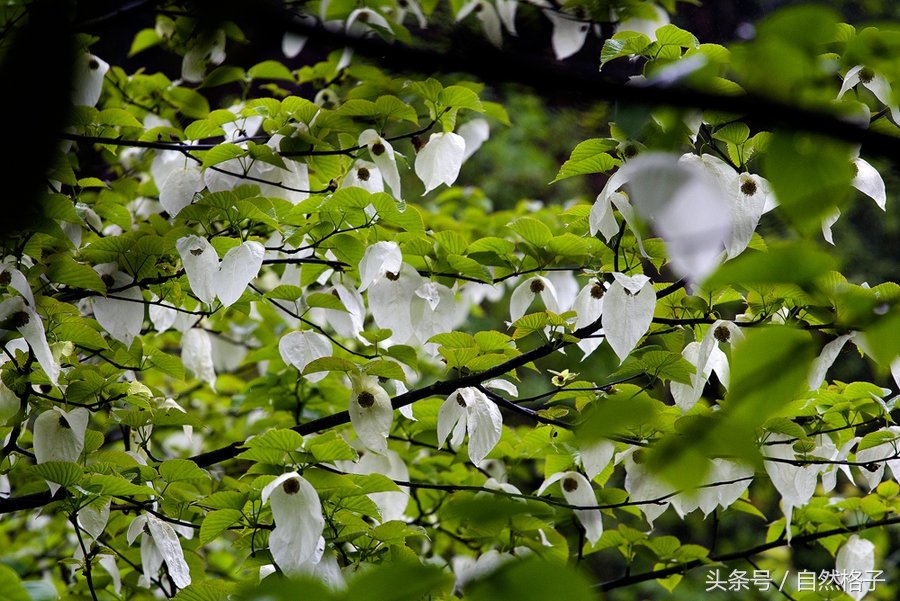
(89, 72)
(391, 504)
(855, 560)
(826, 359)
(93, 519)
(747, 193)
(432, 310)
(205, 51)
(299, 348)
(378, 260)
(201, 265)
(706, 357)
(382, 154)
(628, 308)
(875, 83)
(475, 133)
(644, 487)
(239, 266)
(868, 181)
(469, 410)
(196, 354)
(159, 544)
(685, 206)
(724, 483)
(589, 307)
(292, 44)
(525, 293)
(577, 491)
(179, 188)
(122, 316)
(602, 217)
(59, 436)
(596, 456)
(9, 400)
(365, 175)
(370, 411)
(569, 32)
(439, 161)
(347, 323)
(209, 278)
(489, 17)
(795, 483)
(362, 21)
(879, 456)
(410, 6)
(297, 540)
(390, 301)
(162, 313)
(30, 326)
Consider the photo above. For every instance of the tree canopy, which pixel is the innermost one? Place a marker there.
(426, 299)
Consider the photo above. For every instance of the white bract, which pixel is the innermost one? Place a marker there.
(628, 308)
(475, 133)
(179, 188)
(205, 51)
(299, 348)
(89, 72)
(196, 354)
(469, 410)
(706, 357)
(589, 307)
(875, 83)
(123, 315)
(382, 154)
(371, 412)
(685, 206)
(379, 259)
(577, 491)
(795, 483)
(569, 33)
(208, 278)
(489, 17)
(159, 544)
(856, 557)
(439, 161)
(391, 504)
(364, 175)
(29, 325)
(296, 541)
(527, 291)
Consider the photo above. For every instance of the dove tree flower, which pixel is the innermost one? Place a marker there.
(628, 309)
(706, 356)
(855, 562)
(875, 83)
(468, 410)
(159, 545)
(577, 490)
(382, 154)
(371, 412)
(301, 347)
(527, 291)
(296, 541)
(439, 161)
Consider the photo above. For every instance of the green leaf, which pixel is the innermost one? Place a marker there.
(400, 582)
(589, 156)
(216, 522)
(323, 300)
(532, 579)
(270, 70)
(785, 262)
(810, 176)
(145, 38)
(63, 269)
(330, 364)
(460, 97)
(190, 102)
(175, 470)
(282, 439)
(533, 231)
(118, 117)
(64, 473)
(670, 35)
(221, 153)
(331, 447)
(385, 369)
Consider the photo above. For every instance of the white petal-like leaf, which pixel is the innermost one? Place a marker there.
(627, 314)
(856, 556)
(59, 435)
(569, 33)
(166, 541)
(588, 308)
(379, 259)
(371, 412)
(201, 264)
(484, 423)
(475, 133)
(196, 354)
(299, 348)
(180, 187)
(122, 318)
(298, 522)
(578, 491)
(239, 266)
(89, 72)
(869, 182)
(451, 412)
(439, 161)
